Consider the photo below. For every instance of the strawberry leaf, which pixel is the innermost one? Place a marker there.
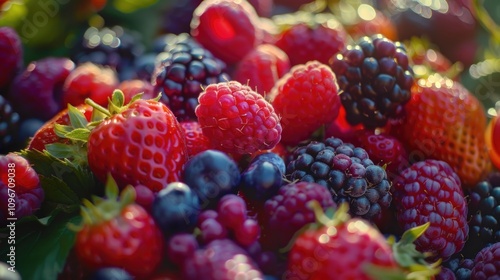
(62, 130)
(59, 196)
(60, 150)
(76, 117)
(78, 134)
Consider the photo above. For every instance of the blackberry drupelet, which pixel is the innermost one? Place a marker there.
(484, 215)
(185, 68)
(9, 123)
(346, 171)
(375, 78)
(460, 266)
(111, 46)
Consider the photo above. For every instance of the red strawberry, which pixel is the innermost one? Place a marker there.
(444, 121)
(196, 141)
(89, 81)
(46, 134)
(430, 191)
(305, 99)
(116, 232)
(139, 143)
(133, 87)
(493, 140)
(262, 68)
(370, 21)
(236, 119)
(311, 37)
(228, 29)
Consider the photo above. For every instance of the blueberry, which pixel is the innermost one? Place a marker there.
(111, 273)
(261, 180)
(176, 209)
(212, 174)
(272, 158)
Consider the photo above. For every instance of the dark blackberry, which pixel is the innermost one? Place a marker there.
(185, 68)
(375, 79)
(9, 123)
(484, 215)
(115, 47)
(460, 266)
(178, 15)
(346, 171)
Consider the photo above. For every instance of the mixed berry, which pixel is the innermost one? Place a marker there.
(253, 139)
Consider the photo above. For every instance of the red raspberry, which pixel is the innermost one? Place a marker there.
(89, 80)
(228, 29)
(288, 211)
(11, 55)
(430, 191)
(196, 141)
(342, 129)
(22, 180)
(37, 90)
(262, 68)
(317, 37)
(305, 98)
(133, 87)
(236, 119)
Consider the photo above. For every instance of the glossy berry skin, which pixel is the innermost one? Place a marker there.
(430, 191)
(305, 99)
(271, 157)
(262, 67)
(11, 54)
(9, 124)
(375, 78)
(89, 81)
(346, 171)
(261, 180)
(237, 119)
(339, 252)
(131, 241)
(46, 134)
(144, 144)
(185, 68)
(40, 83)
(288, 211)
(492, 136)
(444, 121)
(113, 273)
(486, 262)
(18, 182)
(211, 174)
(176, 209)
(311, 37)
(196, 141)
(226, 28)
(220, 260)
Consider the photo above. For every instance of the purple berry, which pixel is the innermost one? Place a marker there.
(11, 55)
(180, 247)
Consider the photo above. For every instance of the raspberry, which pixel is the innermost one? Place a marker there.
(346, 171)
(89, 80)
(36, 92)
(288, 211)
(305, 98)
(196, 141)
(11, 55)
(220, 260)
(236, 119)
(486, 264)
(375, 79)
(9, 124)
(185, 68)
(17, 175)
(310, 37)
(262, 68)
(430, 191)
(228, 29)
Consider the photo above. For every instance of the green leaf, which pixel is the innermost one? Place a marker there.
(118, 99)
(78, 134)
(42, 250)
(60, 150)
(412, 234)
(76, 117)
(59, 196)
(62, 130)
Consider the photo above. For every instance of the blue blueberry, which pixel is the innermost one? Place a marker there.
(261, 180)
(272, 158)
(111, 273)
(176, 209)
(211, 174)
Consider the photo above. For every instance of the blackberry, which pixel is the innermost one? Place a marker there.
(9, 123)
(484, 215)
(375, 79)
(460, 266)
(346, 171)
(178, 15)
(185, 68)
(111, 46)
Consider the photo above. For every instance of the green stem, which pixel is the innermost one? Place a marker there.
(98, 107)
(485, 19)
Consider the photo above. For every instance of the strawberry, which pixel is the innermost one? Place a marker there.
(369, 21)
(115, 232)
(47, 135)
(493, 140)
(196, 141)
(444, 121)
(138, 143)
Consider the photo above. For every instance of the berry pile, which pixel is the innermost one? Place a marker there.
(253, 139)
